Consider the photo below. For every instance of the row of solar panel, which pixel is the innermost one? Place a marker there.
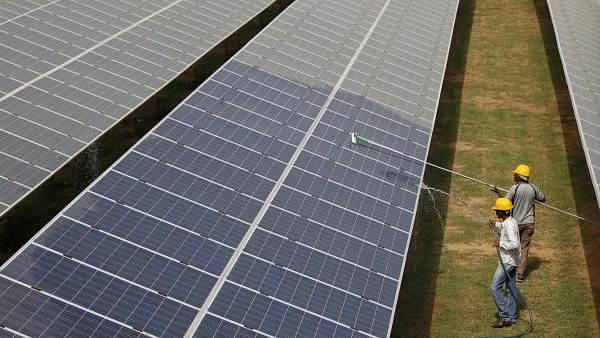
(105, 187)
(73, 69)
(250, 189)
(51, 316)
(416, 135)
(577, 29)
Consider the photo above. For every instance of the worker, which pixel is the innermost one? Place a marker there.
(508, 246)
(523, 195)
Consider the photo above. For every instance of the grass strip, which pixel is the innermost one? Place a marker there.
(504, 102)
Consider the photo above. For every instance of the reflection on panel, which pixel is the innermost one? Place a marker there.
(72, 69)
(577, 28)
(246, 212)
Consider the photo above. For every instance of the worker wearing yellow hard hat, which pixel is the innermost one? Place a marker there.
(502, 204)
(508, 245)
(523, 195)
(523, 170)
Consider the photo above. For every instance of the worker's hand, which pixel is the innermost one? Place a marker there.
(496, 243)
(491, 222)
(495, 189)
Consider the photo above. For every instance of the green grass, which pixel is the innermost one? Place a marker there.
(504, 103)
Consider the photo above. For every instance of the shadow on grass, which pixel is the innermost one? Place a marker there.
(26, 218)
(414, 309)
(534, 263)
(585, 199)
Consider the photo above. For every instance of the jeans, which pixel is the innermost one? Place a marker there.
(506, 302)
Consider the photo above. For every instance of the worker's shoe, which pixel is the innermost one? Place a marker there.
(514, 321)
(503, 323)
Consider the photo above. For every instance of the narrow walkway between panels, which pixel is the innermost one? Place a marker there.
(505, 102)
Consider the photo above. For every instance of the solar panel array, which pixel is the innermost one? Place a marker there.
(577, 29)
(245, 212)
(71, 69)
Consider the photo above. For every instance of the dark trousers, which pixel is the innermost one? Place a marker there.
(526, 233)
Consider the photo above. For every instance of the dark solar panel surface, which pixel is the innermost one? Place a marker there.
(577, 29)
(70, 70)
(246, 212)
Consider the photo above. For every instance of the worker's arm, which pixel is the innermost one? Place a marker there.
(539, 195)
(496, 190)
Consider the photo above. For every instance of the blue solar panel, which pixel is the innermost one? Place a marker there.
(246, 212)
(30, 312)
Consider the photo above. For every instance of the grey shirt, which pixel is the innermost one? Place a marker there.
(523, 195)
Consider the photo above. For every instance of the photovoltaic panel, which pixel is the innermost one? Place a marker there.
(246, 212)
(70, 70)
(331, 246)
(12, 9)
(577, 28)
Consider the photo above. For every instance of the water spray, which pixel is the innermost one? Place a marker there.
(430, 192)
(356, 139)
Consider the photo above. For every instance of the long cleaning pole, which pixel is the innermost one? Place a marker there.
(359, 140)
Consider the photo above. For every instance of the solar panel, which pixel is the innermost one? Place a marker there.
(246, 212)
(577, 28)
(10, 10)
(72, 69)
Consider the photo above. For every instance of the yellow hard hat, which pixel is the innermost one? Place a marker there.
(523, 170)
(503, 203)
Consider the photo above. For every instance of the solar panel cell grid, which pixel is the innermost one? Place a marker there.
(345, 199)
(215, 327)
(274, 317)
(42, 315)
(4, 332)
(577, 29)
(11, 10)
(72, 69)
(32, 131)
(169, 276)
(100, 292)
